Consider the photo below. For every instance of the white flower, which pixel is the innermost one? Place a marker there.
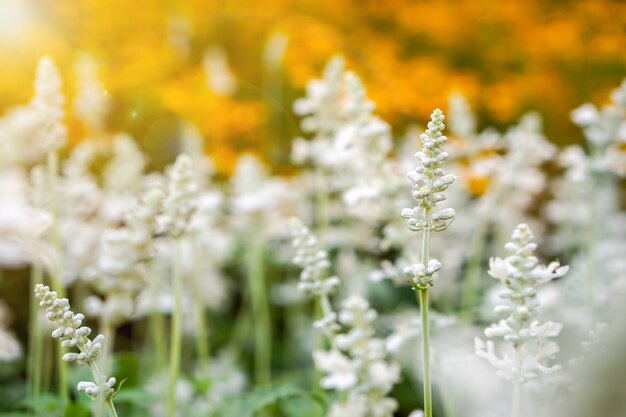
(340, 373)
(180, 202)
(522, 275)
(429, 180)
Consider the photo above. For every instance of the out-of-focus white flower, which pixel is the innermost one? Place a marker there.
(92, 102)
(340, 372)
(48, 102)
(179, 34)
(180, 201)
(10, 348)
(121, 272)
(220, 79)
(314, 279)
(585, 115)
(522, 275)
(275, 49)
(21, 222)
(461, 119)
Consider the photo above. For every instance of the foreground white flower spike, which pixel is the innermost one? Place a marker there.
(429, 181)
(522, 275)
(356, 364)
(73, 334)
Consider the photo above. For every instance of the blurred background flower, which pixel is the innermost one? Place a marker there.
(233, 67)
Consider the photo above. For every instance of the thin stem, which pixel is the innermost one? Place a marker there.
(202, 337)
(101, 379)
(176, 340)
(423, 300)
(57, 270)
(156, 323)
(261, 313)
(108, 330)
(515, 405)
(474, 267)
(428, 406)
(35, 345)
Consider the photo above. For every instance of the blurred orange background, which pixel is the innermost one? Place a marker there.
(506, 57)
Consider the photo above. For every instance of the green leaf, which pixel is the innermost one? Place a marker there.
(77, 410)
(134, 396)
(249, 405)
(44, 404)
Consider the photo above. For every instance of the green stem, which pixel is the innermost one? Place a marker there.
(57, 270)
(156, 324)
(515, 405)
(473, 271)
(428, 406)
(108, 330)
(100, 379)
(202, 337)
(176, 339)
(423, 300)
(261, 313)
(35, 345)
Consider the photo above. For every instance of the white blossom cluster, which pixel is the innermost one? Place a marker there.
(180, 202)
(357, 365)
(314, 279)
(29, 132)
(349, 144)
(429, 180)
(120, 273)
(48, 102)
(356, 362)
(605, 131)
(73, 334)
(519, 327)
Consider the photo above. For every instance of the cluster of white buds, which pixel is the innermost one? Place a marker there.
(180, 202)
(73, 334)
(429, 180)
(522, 275)
(422, 276)
(69, 327)
(105, 389)
(314, 279)
(357, 365)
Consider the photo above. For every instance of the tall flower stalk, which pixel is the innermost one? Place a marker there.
(528, 340)
(356, 364)
(429, 181)
(48, 105)
(179, 205)
(72, 334)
